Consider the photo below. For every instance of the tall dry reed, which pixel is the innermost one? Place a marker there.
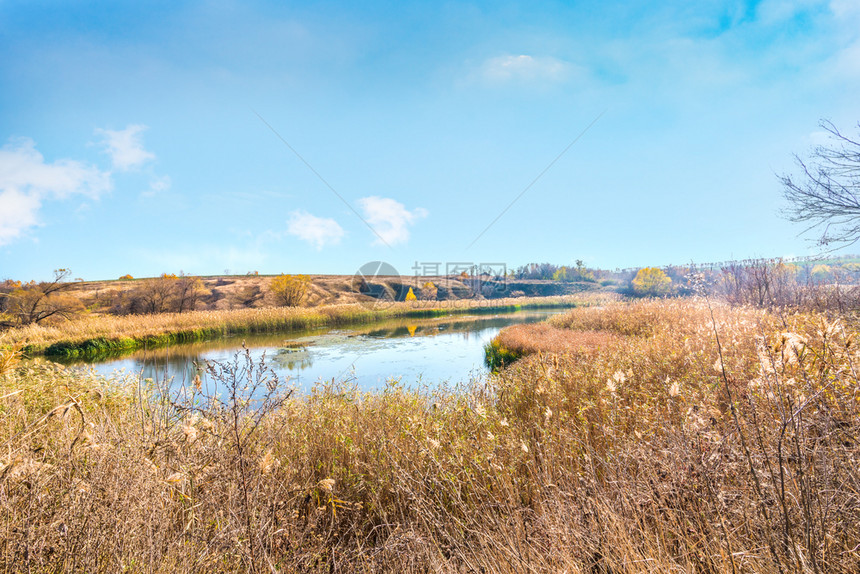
(132, 331)
(700, 438)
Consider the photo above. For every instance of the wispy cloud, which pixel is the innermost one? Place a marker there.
(18, 212)
(522, 67)
(845, 8)
(158, 184)
(317, 231)
(125, 147)
(777, 11)
(26, 181)
(389, 218)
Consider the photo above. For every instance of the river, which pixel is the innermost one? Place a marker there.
(412, 351)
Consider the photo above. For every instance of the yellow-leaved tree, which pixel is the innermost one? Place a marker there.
(821, 272)
(290, 290)
(429, 291)
(411, 295)
(651, 282)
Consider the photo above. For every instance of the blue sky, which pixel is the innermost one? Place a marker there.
(135, 138)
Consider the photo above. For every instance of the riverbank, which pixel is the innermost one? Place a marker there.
(581, 333)
(99, 335)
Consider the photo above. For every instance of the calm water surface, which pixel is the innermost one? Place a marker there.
(414, 351)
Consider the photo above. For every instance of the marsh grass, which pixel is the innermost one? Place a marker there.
(520, 340)
(9, 358)
(658, 451)
(101, 335)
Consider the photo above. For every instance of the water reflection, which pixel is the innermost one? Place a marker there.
(293, 358)
(413, 350)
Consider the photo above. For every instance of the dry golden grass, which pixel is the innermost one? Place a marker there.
(9, 358)
(627, 320)
(206, 324)
(659, 451)
(545, 338)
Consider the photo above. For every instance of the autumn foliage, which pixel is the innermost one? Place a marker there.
(35, 302)
(651, 282)
(290, 290)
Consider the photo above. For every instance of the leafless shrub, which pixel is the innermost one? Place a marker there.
(773, 283)
(167, 293)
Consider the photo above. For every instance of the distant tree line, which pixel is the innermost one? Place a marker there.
(822, 284)
(551, 272)
(167, 293)
(797, 282)
(44, 302)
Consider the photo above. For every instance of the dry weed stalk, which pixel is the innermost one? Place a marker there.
(658, 451)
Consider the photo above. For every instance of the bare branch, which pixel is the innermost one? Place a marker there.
(826, 194)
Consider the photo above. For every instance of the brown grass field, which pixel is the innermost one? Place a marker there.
(692, 437)
(133, 331)
(225, 293)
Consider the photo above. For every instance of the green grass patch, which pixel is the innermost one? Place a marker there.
(497, 357)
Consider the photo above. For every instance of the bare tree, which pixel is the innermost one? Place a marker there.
(156, 295)
(34, 302)
(827, 192)
(189, 290)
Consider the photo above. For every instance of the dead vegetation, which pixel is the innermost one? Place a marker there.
(698, 438)
(129, 332)
(546, 338)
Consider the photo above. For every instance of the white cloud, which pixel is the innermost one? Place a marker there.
(158, 184)
(526, 68)
(125, 147)
(318, 231)
(845, 8)
(846, 62)
(17, 213)
(389, 218)
(778, 11)
(26, 181)
(24, 168)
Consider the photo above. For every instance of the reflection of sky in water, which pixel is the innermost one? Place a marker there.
(425, 351)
